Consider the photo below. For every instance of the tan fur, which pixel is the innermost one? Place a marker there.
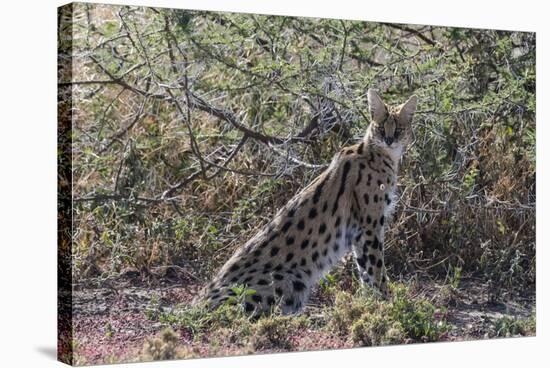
(345, 209)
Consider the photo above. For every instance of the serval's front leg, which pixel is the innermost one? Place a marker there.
(368, 249)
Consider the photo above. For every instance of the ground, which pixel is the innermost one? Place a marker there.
(112, 323)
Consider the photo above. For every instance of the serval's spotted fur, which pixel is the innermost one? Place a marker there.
(345, 209)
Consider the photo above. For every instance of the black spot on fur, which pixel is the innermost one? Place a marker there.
(322, 228)
(379, 264)
(369, 219)
(313, 245)
(286, 226)
(319, 191)
(234, 268)
(257, 252)
(370, 271)
(289, 240)
(274, 251)
(359, 178)
(279, 267)
(327, 239)
(257, 298)
(312, 213)
(298, 286)
(338, 220)
(375, 198)
(372, 259)
(278, 277)
(315, 256)
(335, 207)
(382, 220)
(303, 262)
(366, 198)
(362, 261)
(301, 225)
(278, 291)
(289, 257)
(248, 307)
(270, 300)
(262, 282)
(360, 148)
(304, 244)
(347, 167)
(267, 266)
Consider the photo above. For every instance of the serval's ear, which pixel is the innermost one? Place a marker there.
(407, 110)
(377, 108)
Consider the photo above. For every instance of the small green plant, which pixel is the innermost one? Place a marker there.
(418, 317)
(241, 292)
(510, 326)
(376, 329)
(469, 180)
(372, 321)
(347, 308)
(275, 332)
(200, 319)
(165, 347)
(108, 330)
(454, 279)
(152, 311)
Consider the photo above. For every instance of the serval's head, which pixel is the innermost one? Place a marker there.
(390, 127)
